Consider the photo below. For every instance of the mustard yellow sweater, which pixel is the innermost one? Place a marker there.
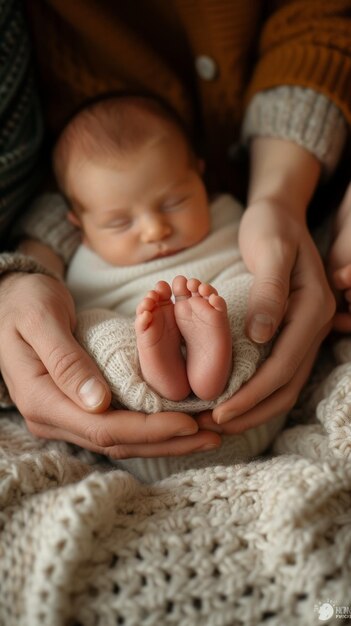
(207, 58)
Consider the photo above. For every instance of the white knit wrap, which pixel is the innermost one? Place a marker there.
(106, 297)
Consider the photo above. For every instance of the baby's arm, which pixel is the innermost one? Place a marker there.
(339, 264)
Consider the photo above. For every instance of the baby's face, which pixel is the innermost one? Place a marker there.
(140, 207)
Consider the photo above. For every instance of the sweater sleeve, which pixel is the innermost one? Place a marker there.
(300, 115)
(21, 127)
(46, 221)
(306, 44)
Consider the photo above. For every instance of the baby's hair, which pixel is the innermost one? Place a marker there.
(123, 123)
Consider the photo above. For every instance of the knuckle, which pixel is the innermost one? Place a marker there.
(27, 410)
(272, 291)
(99, 436)
(50, 303)
(65, 367)
(35, 428)
(119, 452)
(34, 316)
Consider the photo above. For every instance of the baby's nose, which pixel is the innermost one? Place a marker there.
(154, 229)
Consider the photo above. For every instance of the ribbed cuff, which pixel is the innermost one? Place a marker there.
(46, 221)
(300, 115)
(17, 262)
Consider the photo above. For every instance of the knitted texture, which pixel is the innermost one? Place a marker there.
(46, 220)
(21, 128)
(17, 262)
(300, 115)
(109, 336)
(258, 543)
(303, 44)
(94, 48)
(110, 340)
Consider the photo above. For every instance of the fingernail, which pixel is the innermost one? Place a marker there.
(207, 447)
(92, 392)
(186, 432)
(261, 328)
(225, 416)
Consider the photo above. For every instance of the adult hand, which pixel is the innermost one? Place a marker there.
(290, 288)
(339, 264)
(60, 391)
(290, 291)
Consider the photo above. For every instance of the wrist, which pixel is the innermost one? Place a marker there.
(12, 264)
(283, 174)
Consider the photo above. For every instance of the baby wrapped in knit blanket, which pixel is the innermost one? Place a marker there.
(106, 298)
(135, 190)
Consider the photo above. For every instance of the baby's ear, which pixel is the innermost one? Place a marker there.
(72, 217)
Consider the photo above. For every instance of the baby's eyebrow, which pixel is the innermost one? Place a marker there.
(179, 183)
(107, 216)
(116, 212)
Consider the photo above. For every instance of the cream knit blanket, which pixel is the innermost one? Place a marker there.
(258, 543)
(265, 542)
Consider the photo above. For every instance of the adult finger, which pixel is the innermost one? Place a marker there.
(120, 433)
(42, 402)
(268, 295)
(40, 310)
(175, 446)
(69, 366)
(277, 404)
(296, 340)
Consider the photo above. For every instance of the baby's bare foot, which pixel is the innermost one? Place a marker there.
(159, 344)
(201, 316)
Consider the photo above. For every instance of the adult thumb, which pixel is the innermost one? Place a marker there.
(267, 302)
(73, 371)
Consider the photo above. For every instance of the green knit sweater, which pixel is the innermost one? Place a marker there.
(21, 128)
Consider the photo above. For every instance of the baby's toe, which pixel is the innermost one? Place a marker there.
(146, 304)
(193, 285)
(217, 303)
(179, 288)
(163, 290)
(143, 321)
(206, 290)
